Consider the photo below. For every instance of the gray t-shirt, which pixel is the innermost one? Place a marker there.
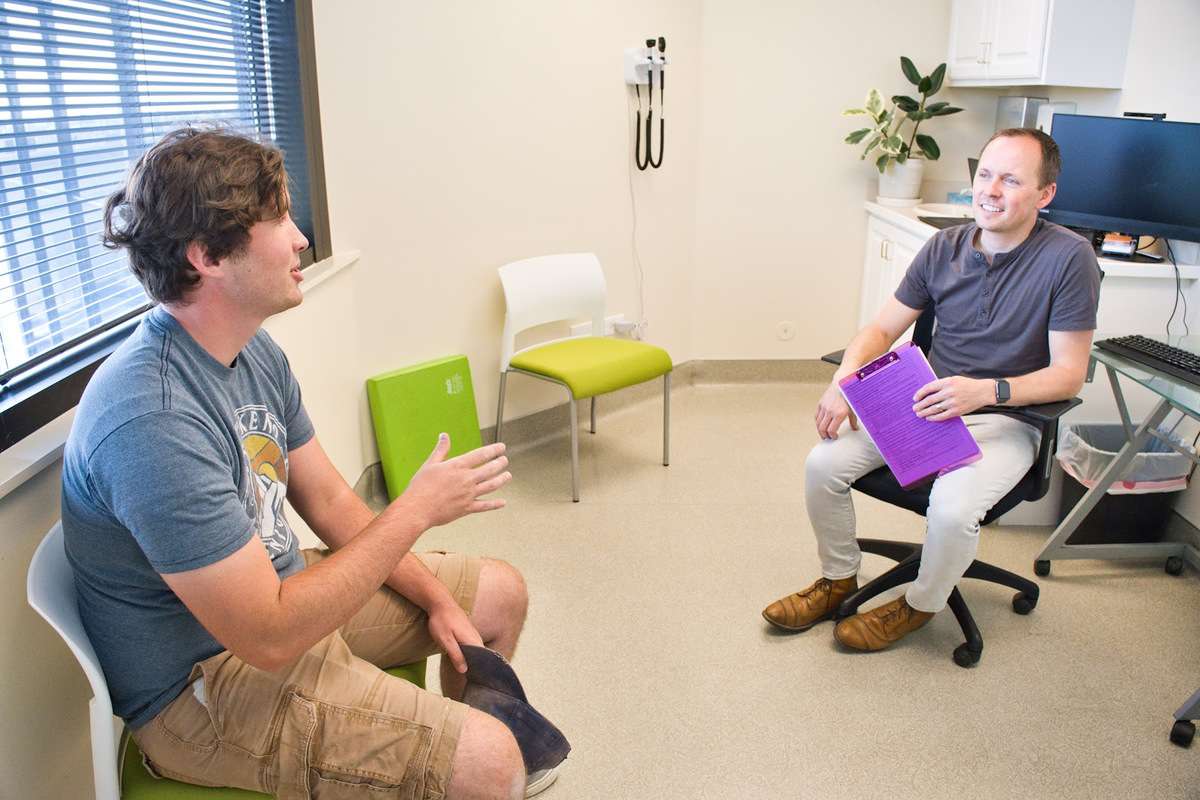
(993, 321)
(174, 462)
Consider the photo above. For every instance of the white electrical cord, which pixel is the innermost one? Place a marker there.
(637, 259)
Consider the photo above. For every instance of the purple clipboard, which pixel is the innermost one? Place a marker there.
(881, 394)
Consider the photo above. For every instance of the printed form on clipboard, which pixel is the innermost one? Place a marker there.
(881, 395)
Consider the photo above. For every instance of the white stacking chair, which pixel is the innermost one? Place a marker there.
(50, 586)
(566, 287)
(116, 762)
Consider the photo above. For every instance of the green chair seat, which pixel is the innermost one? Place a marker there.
(594, 365)
(138, 784)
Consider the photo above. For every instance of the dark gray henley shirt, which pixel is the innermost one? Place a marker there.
(993, 320)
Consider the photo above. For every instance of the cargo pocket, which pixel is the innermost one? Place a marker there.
(330, 752)
(181, 742)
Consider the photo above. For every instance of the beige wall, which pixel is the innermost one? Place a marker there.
(780, 228)
(44, 744)
(459, 135)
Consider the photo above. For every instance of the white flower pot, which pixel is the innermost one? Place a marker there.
(902, 181)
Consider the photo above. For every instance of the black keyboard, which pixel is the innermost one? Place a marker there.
(945, 222)
(1181, 364)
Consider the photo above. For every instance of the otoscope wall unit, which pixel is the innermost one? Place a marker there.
(639, 59)
(644, 66)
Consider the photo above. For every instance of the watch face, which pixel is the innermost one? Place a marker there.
(1002, 392)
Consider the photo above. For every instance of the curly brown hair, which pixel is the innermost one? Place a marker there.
(204, 184)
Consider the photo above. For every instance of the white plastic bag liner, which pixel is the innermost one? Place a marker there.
(1086, 450)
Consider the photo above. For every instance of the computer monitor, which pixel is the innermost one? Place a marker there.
(1134, 176)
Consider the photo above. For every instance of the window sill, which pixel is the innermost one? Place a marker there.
(35, 452)
(323, 270)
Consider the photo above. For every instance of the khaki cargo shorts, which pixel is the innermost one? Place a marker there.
(333, 725)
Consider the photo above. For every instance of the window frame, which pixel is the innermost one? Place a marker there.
(41, 394)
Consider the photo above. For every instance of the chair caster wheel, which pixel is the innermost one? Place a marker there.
(1182, 732)
(1023, 603)
(1041, 568)
(964, 656)
(1174, 565)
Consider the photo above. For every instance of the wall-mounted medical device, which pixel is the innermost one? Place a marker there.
(645, 66)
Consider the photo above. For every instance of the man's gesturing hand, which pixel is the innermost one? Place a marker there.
(832, 410)
(444, 490)
(947, 398)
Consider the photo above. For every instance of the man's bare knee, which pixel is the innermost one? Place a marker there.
(502, 601)
(487, 762)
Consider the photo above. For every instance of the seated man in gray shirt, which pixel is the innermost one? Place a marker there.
(236, 658)
(1015, 302)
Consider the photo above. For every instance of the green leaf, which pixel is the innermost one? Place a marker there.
(905, 103)
(857, 136)
(881, 162)
(893, 144)
(871, 145)
(919, 116)
(850, 112)
(929, 147)
(935, 79)
(943, 112)
(874, 103)
(923, 86)
(910, 70)
(933, 108)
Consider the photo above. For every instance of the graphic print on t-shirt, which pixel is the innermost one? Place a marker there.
(262, 438)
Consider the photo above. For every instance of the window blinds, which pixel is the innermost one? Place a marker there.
(85, 88)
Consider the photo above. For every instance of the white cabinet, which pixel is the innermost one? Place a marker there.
(889, 252)
(1038, 42)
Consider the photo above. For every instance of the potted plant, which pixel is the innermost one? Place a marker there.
(902, 158)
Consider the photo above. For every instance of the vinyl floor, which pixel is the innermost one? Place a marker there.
(644, 640)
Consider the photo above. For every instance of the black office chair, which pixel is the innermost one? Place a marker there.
(882, 485)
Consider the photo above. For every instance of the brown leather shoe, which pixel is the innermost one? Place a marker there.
(800, 611)
(880, 627)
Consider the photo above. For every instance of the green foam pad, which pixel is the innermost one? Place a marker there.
(411, 406)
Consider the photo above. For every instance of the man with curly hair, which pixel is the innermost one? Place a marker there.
(236, 658)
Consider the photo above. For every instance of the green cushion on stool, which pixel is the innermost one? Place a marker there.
(138, 784)
(592, 365)
(413, 673)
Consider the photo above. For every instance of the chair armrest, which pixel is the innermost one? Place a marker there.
(834, 358)
(1039, 414)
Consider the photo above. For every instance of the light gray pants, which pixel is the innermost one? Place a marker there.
(957, 502)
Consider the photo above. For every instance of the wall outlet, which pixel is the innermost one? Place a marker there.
(628, 329)
(585, 328)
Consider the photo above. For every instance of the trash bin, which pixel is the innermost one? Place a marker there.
(1137, 506)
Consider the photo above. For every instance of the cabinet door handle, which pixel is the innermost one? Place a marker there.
(987, 53)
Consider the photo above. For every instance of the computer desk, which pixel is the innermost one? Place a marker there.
(1172, 394)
